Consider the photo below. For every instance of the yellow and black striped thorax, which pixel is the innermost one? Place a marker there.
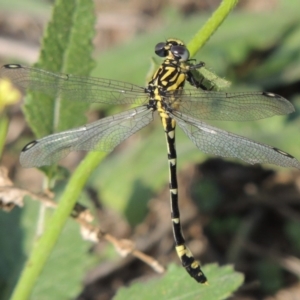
(170, 77)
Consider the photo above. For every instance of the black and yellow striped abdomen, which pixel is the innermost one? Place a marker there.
(170, 79)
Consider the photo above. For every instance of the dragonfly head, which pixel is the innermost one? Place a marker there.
(173, 49)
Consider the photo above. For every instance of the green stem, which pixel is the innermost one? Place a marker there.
(45, 244)
(3, 130)
(203, 35)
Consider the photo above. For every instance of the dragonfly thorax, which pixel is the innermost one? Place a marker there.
(170, 77)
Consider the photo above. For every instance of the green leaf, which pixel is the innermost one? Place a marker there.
(11, 250)
(66, 267)
(210, 80)
(222, 282)
(270, 276)
(66, 48)
(292, 231)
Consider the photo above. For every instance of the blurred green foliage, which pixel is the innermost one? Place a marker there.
(270, 276)
(292, 231)
(176, 286)
(255, 51)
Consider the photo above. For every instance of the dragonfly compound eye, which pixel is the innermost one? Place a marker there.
(180, 52)
(160, 49)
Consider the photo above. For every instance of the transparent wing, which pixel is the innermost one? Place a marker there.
(103, 135)
(77, 88)
(222, 143)
(205, 105)
(239, 106)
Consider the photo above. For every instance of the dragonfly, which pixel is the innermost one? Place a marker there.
(164, 94)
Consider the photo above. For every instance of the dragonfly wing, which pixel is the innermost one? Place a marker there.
(222, 143)
(239, 106)
(102, 135)
(77, 88)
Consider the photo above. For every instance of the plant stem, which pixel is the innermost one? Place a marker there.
(203, 35)
(3, 130)
(45, 244)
